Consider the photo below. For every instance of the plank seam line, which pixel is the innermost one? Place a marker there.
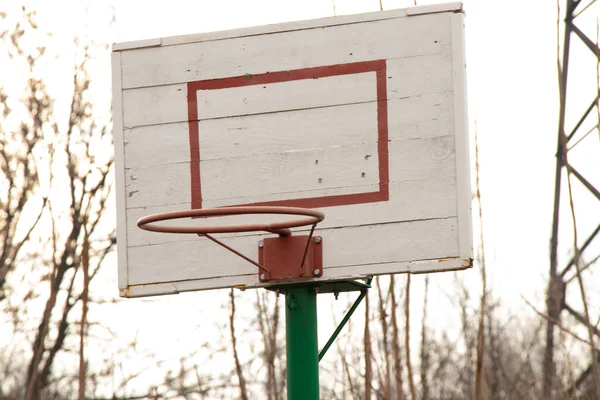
(137, 87)
(306, 28)
(186, 204)
(333, 228)
(427, 260)
(292, 110)
(309, 191)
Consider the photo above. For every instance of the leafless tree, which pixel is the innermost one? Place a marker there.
(482, 268)
(425, 350)
(385, 376)
(409, 371)
(268, 321)
(367, 352)
(21, 203)
(56, 161)
(396, 347)
(238, 366)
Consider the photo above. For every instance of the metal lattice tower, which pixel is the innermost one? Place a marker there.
(577, 191)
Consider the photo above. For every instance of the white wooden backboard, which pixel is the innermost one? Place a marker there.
(362, 116)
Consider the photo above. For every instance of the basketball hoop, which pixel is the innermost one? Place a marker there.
(275, 255)
(280, 228)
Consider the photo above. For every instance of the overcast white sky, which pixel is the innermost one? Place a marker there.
(512, 89)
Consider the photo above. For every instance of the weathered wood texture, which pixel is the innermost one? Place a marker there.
(299, 139)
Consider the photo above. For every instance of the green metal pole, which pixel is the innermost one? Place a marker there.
(301, 343)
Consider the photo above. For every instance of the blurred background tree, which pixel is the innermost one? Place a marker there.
(56, 179)
(57, 237)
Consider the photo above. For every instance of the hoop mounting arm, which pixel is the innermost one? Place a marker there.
(278, 258)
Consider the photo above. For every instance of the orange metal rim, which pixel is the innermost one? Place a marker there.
(311, 217)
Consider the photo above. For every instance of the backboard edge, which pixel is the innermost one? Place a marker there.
(461, 134)
(434, 8)
(119, 147)
(243, 282)
(288, 26)
(136, 44)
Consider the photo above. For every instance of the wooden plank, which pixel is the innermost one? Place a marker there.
(286, 51)
(418, 159)
(412, 200)
(407, 241)
(154, 105)
(262, 198)
(156, 289)
(159, 185)
(284, 96)
(362, 245)
(463, 164)
(265, 175)
(292, 130)
(424, 116)
(284, 27)
(415, 267)
(292, 172)
(139, 236)
(335, 167)
(420, 116)
(122, 245)
(407, 77)
(419, 76)
(157, 145)
(292, 26)
(249, 281)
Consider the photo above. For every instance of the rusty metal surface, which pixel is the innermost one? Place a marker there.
(290, 257)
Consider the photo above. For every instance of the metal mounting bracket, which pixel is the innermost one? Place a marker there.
(289, 257)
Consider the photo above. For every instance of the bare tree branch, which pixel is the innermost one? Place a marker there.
(396, 341)
(368, 352)
(559, 325)
(238, 366)
(409, 371)
(386, 382)
(425, 356)
(85, 263)
(481, 331)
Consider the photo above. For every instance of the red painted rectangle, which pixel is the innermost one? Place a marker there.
(378, 66)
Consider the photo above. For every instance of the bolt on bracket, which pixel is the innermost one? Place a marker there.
(282, 257)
